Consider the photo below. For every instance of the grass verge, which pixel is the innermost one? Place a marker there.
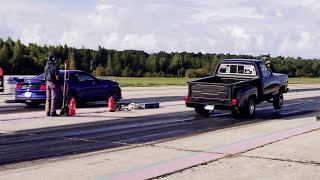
(147, 82)
(304, 80)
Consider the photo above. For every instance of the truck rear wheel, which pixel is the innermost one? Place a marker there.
(233, 110)
(250, 108)
(200, 110)
(278, 101)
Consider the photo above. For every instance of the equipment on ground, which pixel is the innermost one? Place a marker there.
(48, 107)
(149, 105)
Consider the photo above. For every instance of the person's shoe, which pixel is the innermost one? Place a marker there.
(54, 115)
(48, 114)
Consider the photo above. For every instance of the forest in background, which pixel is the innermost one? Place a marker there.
(19, 59)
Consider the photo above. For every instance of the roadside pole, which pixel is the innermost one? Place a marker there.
(65, 109)
(1, 80)
(92, 66)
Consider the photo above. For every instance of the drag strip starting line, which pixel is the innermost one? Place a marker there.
(195, 159)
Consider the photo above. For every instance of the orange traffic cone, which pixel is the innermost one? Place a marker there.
(111, 104)
(72, 107)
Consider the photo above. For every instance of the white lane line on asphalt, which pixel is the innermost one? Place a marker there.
(292, 112)
(285, 105)
(223, 114)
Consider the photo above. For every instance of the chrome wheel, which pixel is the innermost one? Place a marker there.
(252, 107)
(249, 108)
(278, 101)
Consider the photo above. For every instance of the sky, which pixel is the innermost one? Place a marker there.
(276, 27)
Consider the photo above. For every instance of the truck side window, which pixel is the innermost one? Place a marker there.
(240, 69)
(233, 69)
(264, 70)
(224, 68)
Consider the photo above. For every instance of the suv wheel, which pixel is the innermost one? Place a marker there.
(116, 94)
(33, 104)
(278, 101)
(74, 95)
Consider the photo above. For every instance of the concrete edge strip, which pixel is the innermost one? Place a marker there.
(178, 164)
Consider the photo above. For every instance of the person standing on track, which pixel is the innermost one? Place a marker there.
(51, 75)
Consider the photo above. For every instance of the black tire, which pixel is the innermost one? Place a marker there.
(200, 110)
(233, 111)
(33, 104)
(74, 95)
(250, 107)
(116, 94)
(278, 101)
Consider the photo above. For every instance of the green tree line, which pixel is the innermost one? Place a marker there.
(19, 59)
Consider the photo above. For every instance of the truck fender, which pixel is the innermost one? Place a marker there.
(283, 89)
(244, 94)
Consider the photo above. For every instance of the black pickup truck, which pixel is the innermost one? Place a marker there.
(238, 85)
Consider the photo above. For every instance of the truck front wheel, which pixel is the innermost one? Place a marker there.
(200, 110)
(278, 101)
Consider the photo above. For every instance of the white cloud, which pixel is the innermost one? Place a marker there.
(32, 34)
(225, 14)
(304, 40)
(135, 41)
(111, 41)
(287, 28)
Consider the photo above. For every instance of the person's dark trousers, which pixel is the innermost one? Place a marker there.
(52, 96)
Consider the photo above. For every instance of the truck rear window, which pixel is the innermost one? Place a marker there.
(237, 69)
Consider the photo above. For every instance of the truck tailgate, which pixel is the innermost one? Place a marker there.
(209, 92)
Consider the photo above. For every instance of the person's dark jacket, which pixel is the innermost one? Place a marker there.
(51, 70)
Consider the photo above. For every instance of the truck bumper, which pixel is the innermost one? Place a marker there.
(188, 104)
(216, 106)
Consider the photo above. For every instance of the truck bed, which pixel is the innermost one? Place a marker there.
(217, 90)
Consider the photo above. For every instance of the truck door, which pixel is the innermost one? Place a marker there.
(267, 80)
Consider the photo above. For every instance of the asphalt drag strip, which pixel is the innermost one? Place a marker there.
(42, 143)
